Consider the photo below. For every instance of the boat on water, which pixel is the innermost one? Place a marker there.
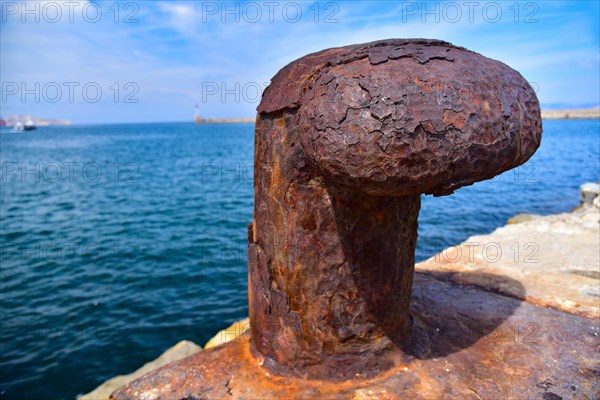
(21, 127)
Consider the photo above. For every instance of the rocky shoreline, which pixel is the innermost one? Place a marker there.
(554, 262)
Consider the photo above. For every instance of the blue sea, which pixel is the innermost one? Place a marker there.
(118, 241)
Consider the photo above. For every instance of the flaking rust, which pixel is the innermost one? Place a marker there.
(346, 141)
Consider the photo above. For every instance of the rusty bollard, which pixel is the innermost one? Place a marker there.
(347, 140)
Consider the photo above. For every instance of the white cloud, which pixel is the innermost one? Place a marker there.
(182, 17)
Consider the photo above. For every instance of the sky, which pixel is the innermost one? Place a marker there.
(153, 61)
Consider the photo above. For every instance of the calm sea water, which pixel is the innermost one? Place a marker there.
(120, 240)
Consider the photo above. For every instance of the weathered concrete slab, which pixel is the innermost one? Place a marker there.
(555, 258)
(467, 343)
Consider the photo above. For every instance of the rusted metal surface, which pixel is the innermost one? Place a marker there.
(403, 117)
(346, 141)
(467, 344)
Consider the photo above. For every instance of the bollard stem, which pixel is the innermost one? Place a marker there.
(330, 269)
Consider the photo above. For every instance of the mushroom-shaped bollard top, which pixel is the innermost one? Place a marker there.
(347, 139)
(400, 117)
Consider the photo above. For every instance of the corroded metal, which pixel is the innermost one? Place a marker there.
(346, 141)
(400, 117)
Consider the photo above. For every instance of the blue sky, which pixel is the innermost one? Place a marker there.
(87, 61)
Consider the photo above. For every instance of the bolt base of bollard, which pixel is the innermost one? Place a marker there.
(465, 343)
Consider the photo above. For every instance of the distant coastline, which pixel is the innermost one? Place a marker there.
(244, 120)
(11, 120)
(583, 113)
(589, 113)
